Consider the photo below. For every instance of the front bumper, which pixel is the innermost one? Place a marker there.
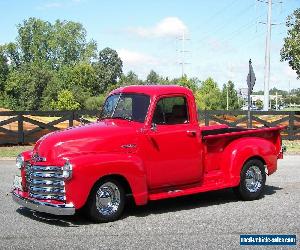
(45, 207)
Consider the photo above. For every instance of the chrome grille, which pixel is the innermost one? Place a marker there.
(45, 183)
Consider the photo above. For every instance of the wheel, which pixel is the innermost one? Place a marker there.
(252, 182)
(106, 201)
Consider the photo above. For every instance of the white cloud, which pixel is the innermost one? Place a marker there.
(167, 27)
(136, 58)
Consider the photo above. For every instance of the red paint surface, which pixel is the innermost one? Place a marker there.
(169, 162)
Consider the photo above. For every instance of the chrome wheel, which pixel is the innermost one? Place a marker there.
(108, 199)
(253, 179)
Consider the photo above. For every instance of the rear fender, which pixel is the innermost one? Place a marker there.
(239, 151)
(88, 169)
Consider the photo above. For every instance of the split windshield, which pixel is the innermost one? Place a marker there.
(126, 106)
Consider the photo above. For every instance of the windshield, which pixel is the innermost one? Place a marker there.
(126, 106)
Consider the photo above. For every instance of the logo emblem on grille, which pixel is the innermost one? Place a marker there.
(37, 158)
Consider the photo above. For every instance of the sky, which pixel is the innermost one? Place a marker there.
(219, 36)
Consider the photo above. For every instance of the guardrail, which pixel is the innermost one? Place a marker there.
(24, 127)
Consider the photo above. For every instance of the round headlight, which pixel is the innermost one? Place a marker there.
(19, 161)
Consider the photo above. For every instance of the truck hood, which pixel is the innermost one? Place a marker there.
(99, 137)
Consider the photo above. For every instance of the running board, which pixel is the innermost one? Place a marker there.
(182, 192)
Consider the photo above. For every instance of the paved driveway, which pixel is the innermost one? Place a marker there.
(206, 221)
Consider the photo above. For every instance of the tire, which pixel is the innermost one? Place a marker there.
(106, 201)
(252, 181)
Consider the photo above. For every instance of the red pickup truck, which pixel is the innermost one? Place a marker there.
(148, 144)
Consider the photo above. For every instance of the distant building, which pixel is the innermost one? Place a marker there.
(243, 94)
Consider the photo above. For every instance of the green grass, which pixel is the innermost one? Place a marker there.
(292, 109)
(13, 151)
(292, 146)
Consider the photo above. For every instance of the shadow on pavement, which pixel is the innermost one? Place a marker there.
(57, 220)
(153, 207)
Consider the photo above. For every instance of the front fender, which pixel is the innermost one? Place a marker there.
(239, 151)
(88, 169)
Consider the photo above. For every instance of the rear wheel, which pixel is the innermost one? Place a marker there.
(106, 201)
(252, 182)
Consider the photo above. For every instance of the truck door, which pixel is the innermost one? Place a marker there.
(174, 155)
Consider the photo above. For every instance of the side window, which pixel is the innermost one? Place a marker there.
(171, 110)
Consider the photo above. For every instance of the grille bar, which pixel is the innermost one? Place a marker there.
(45, 182)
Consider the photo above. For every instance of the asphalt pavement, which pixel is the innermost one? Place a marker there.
(211, 220)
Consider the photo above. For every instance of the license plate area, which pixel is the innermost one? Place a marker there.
(17, 182)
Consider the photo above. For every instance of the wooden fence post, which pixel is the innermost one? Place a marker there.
(20, 129)
(291, 126)
(206, 118)
(71, 118)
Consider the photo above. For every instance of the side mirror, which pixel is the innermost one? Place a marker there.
(153, 127)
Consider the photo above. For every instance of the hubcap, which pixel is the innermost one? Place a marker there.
(253, 179)
(108, 198)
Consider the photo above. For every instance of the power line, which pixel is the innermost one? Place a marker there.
(220, 27)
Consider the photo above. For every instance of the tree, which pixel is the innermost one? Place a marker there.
(189, 83)
(61, 43)
(259, 104)
(3, 70)
(291, 48)
(94, 102)
(233, 100)
(153, 78)
(65, 101)
(108, 69)
(25, 86)
(130, 79)
(208, 96)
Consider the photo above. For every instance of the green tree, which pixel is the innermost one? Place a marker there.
(65, 101)
(3, 70)
(291, 47)
(153, 78)
(25, 86)
(192, 84)
(108, 69)
(233, 100)
(61, 43)
(208, 96)
(94, 102)
(259, 104)
(130, 79)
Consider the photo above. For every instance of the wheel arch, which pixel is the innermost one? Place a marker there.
(129, 171)
(118, 177)
(240, 151)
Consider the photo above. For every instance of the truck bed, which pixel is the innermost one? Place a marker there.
(214, 133)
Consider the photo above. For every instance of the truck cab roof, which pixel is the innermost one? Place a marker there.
(154, 90)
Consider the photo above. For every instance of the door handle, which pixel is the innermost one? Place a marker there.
(191, 133)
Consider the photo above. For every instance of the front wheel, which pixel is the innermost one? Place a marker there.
(106, 201)
(252, 180)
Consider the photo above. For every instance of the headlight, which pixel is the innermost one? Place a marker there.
(19, 161)
(67, 170)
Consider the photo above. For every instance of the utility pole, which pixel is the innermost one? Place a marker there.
(267, 58)
(227, 97)
(183, 51)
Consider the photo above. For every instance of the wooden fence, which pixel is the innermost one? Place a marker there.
(24, 127)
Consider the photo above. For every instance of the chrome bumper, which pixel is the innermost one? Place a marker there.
(45, 207)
